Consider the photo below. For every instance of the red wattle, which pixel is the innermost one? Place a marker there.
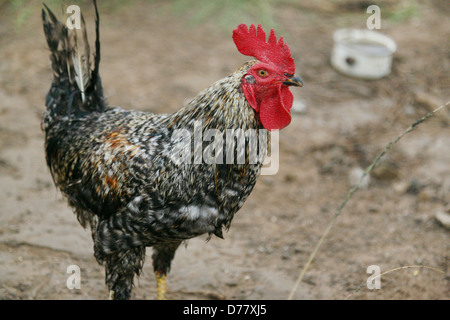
(274, 109)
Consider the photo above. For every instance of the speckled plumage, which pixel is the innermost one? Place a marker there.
(116, 166)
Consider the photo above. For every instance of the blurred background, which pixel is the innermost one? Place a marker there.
(156, 56)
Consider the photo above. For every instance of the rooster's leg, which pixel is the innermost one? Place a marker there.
(162, 257)
(160, 285)
(121, 267)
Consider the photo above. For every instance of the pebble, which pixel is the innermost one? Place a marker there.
(386, 170)
(443, 218)
(355, 176)
(299, 107)
(415, 186)
(425, 195)
(409, 110)
(401, 187)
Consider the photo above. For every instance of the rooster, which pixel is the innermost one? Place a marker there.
(117, 167)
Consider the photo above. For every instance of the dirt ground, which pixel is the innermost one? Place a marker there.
(155, 58)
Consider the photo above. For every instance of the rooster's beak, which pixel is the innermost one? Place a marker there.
(294, 81)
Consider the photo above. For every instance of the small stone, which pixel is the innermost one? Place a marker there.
(409, 110)
(232, 283)
(425, 195)
(443, 218)
(400, 187)
(298, 250)
(299, 107)
(415, 186)
(355, 176)
(386, 170)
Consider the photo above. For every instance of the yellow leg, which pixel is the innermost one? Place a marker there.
(111, 295)
(160, 285)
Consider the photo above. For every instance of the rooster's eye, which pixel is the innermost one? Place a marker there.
(262, 73)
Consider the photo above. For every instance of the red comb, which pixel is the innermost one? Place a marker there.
(252, 42)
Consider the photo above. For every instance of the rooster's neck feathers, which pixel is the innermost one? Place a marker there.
(220, 106)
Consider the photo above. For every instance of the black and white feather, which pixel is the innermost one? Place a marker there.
(116, 168)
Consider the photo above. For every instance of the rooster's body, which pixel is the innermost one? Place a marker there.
(119, 170)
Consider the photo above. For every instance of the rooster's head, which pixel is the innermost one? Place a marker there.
(266, 84)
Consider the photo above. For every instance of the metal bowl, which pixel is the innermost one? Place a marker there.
(363, 53)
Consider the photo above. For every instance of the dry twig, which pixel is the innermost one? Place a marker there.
(352, 191)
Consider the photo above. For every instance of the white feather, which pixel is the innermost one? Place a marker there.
(81, 72)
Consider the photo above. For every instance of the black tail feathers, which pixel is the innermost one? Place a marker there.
(76, 87)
